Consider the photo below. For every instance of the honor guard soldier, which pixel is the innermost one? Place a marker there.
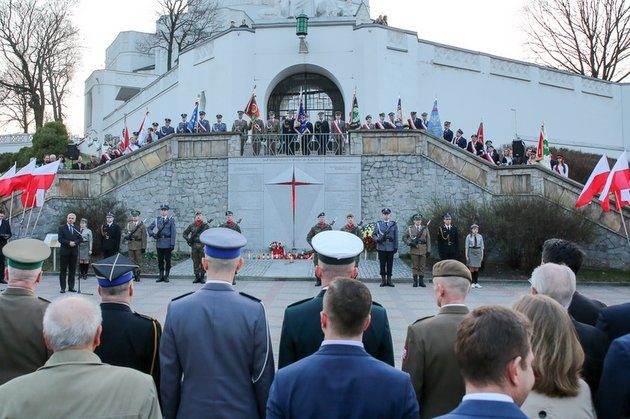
(352, 228)
(240, 126)
(301, 328)
(129, 339)
(419, 241)
(110, 233)
(289, 134)
(203, 122)
(229, 222)
(227, 372)
(219, 126)
(368, 123)
(22, 342)
(163, 230)
(182, 128)
(448, 241)
(165, 129)
(322, 131)
(136, 236)
(386, 238)
(317, 228)
(257, 127)
(192, 236)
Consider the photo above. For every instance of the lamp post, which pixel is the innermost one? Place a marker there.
(301, 30)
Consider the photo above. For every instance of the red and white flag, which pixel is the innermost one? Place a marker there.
(5, 181)
(146, 115)
(480, 133)
(41, 180)
(595, 182)
(618, 182)
(22, 178)
(379, 125)
(365, 126)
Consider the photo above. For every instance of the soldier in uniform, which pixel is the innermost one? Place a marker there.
(448, 241)
(273, 131)
(301, 328)
(386, 238)
(166, 129)
(391, 124)
(417, 122)
(228, 371)
(322, 130)
(219, 126)
(368, 123)
(289, 134)
(240, 126)
(163, 230)
(110, 236)
(317, 228)
(339, 128)
(447, 134)
(380, 124)
(129, 339)
(192, 235)
(136, 236)
(257, 127)
(229, 222)
(21, 312)
(182, 128)
(419, 241)
(353, 228)
(203, 122)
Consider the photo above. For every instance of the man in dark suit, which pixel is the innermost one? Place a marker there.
(459, 139)
(69, 238)
(583, 309)
(5, 235)
(613, 399)
(129, 339)
(322, 130)
(341, 380)
(447, 134)
(301, 329)
(448, 239)
(614, 321)
(216, 358)
(558, 282)
(110, 233)
(429, 355)
(495, 357)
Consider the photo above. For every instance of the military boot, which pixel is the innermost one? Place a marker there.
(136, 276)
(196, 281)
(383, 281)
(415, 281)
(389, 281)
(421, 281)
(161, 278)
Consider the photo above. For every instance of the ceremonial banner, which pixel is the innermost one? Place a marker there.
(435, 125)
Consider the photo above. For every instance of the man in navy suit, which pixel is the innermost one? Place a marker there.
(69, 238)
(614, 321)
(5, 235)
(495, 357)
(613, 399)
(342, 380)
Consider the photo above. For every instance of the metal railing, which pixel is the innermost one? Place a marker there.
(295, 144)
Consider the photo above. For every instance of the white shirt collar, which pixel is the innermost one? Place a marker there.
(217, 281)
(493, 397)
(453, 305)
(342, 342)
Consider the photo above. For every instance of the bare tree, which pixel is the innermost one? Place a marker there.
(38, 43)
(183, 23)
(14, 103)
(588, 37)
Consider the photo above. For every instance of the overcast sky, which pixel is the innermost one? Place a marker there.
(486, 25)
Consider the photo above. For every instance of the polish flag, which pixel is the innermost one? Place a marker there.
(41, 180)
(618, 182)
(146, 115)
(595, 182)
(22, 178)
(480, 132)
(5, 181)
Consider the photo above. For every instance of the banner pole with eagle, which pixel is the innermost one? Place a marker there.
(252, 111)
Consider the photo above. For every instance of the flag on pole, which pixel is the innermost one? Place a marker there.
(144, 120)
(5, 181)
(41, 180)
(193, 124)
(435, 125)
(399, 114)
(251, 109)
(355, 121)
(595, 183)
(301, 117)
(125, 135)
(542, 152)
(20, 181)
(480, 133)
(618, 182)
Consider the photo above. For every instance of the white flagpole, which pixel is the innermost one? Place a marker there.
(40, 212)
(23, 207)
(30, 214)
(11, 208)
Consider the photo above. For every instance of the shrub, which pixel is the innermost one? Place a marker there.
(52, 138)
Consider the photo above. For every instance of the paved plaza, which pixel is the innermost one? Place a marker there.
(404, 304)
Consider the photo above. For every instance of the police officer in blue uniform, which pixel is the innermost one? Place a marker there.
(216, 355)
(129, 339)
(203, 122)
(163, 230)
(166, 129)
(182, 128)
(219, 126)
(386, 238)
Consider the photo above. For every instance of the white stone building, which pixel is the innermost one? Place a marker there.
(346, 51)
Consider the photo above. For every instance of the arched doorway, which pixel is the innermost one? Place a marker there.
(320, 94)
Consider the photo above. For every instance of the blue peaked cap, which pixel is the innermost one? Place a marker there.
(222, 243)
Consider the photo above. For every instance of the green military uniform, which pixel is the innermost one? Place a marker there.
(231, 224)
(355, 229)
(136, 236)
(191, 235)
(317, 228)
(22, 346)
(419, 242)
(240, 126)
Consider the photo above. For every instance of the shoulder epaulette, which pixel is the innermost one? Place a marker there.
(299, 302)
(376, 304)
(43, 299)
(183, 295)
(251, 297)
(144, 316)
(423, 318)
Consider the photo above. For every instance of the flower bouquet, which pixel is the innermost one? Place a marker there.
(277, 250)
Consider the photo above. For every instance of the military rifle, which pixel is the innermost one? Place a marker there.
(383, 235)
(416, 240)
(190, 239)
(130, 235)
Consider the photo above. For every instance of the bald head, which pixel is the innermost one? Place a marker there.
(555, 281)
(72, 323)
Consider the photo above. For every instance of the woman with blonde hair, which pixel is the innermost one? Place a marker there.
(558, 392)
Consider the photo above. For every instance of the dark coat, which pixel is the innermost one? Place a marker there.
(448, 241)
(64, 236)
(448, 135)
(584, 309)
(341, 381)
(595, 345)
(110, 237)
(302, 333)
(614, 321)
(130, 340)
(164, 131)
(5, 233)
(613, 399)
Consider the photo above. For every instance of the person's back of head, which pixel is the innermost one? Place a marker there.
(555, 281)
(493, 352)
(346, 309)
(72, 323)
(558, 356)
(563, 252)
(451, 281)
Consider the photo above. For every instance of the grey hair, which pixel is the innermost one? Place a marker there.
(555, 281)
(454, 285)
(117, 290)
(16, 274)
(71, 321)
(222, 265)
